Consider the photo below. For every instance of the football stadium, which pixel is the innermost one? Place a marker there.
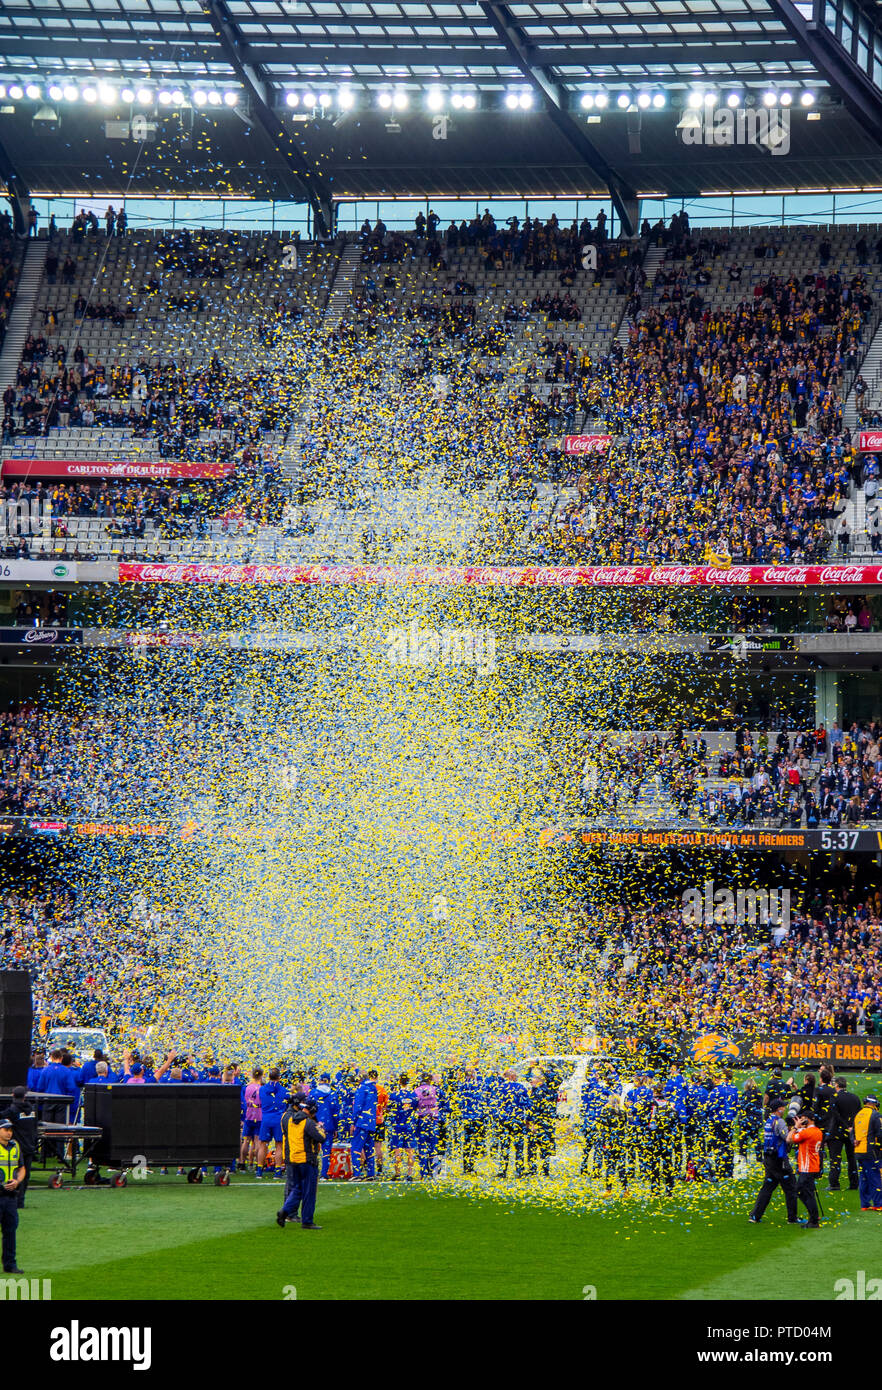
(441, 661)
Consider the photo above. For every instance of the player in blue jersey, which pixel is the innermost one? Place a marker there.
(401, 1115)
(473, 1115)
(327, 1115)
(637, 1106)
(273, 1100)
(513, 1119)
(675, 1085)
(694, 1106)
(345, 1085)
(722, 1108)
(594, 1098)
(364, 1127)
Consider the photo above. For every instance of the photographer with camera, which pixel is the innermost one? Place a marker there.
(808, 1139)
(778, 1172)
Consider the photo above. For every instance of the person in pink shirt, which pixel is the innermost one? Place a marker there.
(133, 1072)
(252, 1116)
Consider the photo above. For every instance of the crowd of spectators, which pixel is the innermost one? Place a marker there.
(121, 763)
(795, 778)
(169, 507)
(822, 974)
(615, 774)
(727, 423)
(731, 427)
(93, 962)
(537, 246)
(99, 962)
(157, 400)
(215, 412)
(849, 614)
(812, 778)
(46, 608)
(71, 765)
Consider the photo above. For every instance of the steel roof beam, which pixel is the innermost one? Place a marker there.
(578, 55)
(310, 185)
(259, 50)
(557, 109)
(819, 44)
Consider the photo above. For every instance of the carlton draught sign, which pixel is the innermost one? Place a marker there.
(115, 468)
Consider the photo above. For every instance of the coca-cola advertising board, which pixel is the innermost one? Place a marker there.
(870, 442)
(547, 576)
(586, 443)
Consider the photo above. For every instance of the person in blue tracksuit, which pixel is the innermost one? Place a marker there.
(637, 1106)
(541, 1142)
(675, 1085)
(473, 1116)
(38, 1062)
(401, 1113)
(445, 1110)
(695, 1103)
(327, 1115)
(674, 1091)
(345, 1086)
(493, 1101)
(683, 1108)
(640, 1094)
(273, 1100)
(57, 1080)
(89, 1069)
(594, 1098)
(77, 1076)
(722, 1107)
(364, 1126)
(513, 1120)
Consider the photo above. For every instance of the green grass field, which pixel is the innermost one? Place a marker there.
(163, 1239)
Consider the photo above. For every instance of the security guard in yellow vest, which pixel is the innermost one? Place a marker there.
(868, 1152)
(303, 1139)
(12, 1175)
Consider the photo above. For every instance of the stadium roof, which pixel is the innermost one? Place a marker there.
(370, 41)
(555, 55)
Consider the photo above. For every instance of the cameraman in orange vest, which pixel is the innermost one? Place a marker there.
(808, 1139)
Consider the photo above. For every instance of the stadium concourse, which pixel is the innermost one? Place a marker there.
(440, 663)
